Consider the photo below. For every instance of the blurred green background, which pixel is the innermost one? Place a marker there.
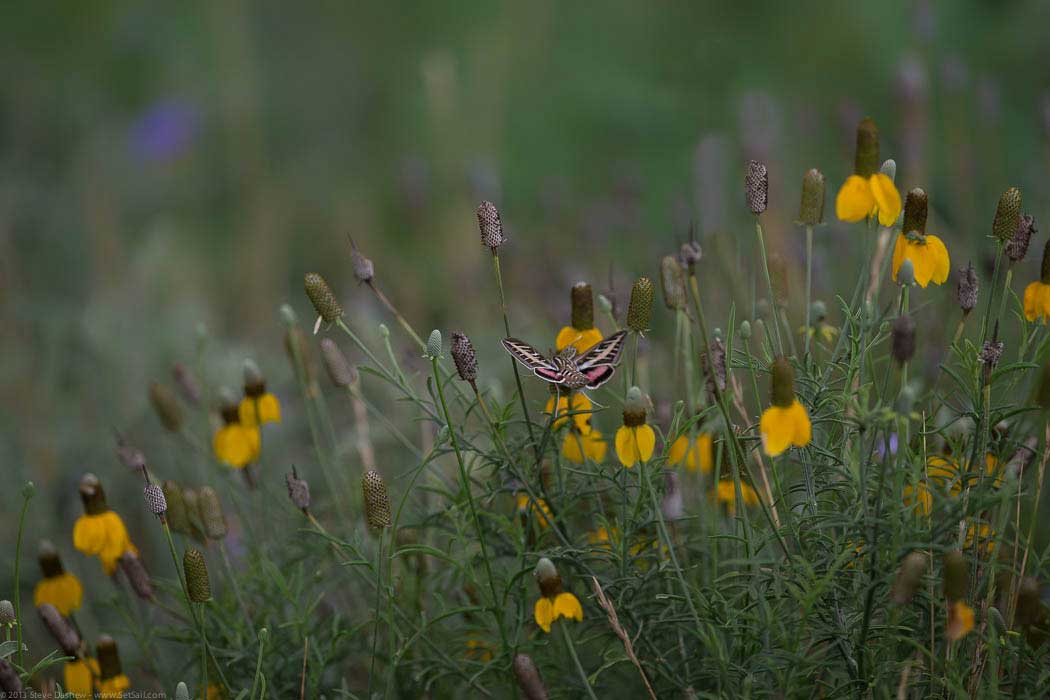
(168, 172)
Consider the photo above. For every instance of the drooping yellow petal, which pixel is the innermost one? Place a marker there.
(582, 340)
(899, 249)
(645, 439)
(577, 447)
(725, 493)
(77, 677)
(578, 405)
(113, 687)
(64, 591)
(676, 454)
(1031, 296)
(855, 200)
(626, 446)
(783, 427)
(803, 428)
(89, 534)
(887, 198)
(256, 410)
(236, 445)
(543, 612)
(923, 498)
(566, 605)
(941, 262)
(960, 620)
(705, 452)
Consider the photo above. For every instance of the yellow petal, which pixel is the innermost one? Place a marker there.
(544, 613)
(941, 262)
(855, 200)
(645, 439)
(887, 198)
(63, 591)
(565, 336)
(269, 409)
(777, 428)
(898, 254)
(626, 446)
(1031, 295)
(803, 431)
(567, 605)
(581, 409)
(89, 535)
(572, 447)
(77, 677)
(705, 448)
(960, 620)
(923, 499)
(677, 452)
(594, 446)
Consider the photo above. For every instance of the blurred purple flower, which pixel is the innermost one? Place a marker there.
(880, 448)
(165, 130)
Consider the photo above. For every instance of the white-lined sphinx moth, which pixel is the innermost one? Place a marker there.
(589, 370)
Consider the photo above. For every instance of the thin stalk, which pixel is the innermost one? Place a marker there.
(513, 362)
(576, 660)
(769, 284)
(375, 629)
(27, 494)
(258, 663)
(497, 609)
(809, 282)
(233, 580)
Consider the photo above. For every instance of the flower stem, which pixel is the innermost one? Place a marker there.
(375, 629)
(576, 660)
(513, 362)
(769, 285)
(809, 283)
(27, 494)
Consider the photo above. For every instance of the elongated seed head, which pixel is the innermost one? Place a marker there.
(197, 582)
(956, 576)
(811, 209)
(966, 288)
(1007, 214)
(491, 226)
(672, 283)
(756, 187)
(166, 406)
(582, 306)
(187, 383)
(155, 500)
(321, 296)
(903, 338)
(178, 518)
(866, 162)
(529, 679)
(916, 209)
(640, 308)
(211, 515)
(298, 491)
(7, 613)
(909, 577)
(434, 344)
(137, 575)
(339, 369)
(1017, 247)
(109, 665)
(783, 384)
(10, 681)
(376, 499)
(60, 628)
(364, 269)
(464, 357)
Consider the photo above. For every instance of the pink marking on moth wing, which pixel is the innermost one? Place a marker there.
(548, 374)
(599, 375)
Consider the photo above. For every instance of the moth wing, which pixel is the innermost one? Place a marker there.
(596, 376)
(549, 375)
(607, 352)
(527, 355)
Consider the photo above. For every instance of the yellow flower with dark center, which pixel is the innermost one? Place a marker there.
(234, 443)
(697, 453)
(635, 440)
(78, 677)
(541, 512)
(578, 447)
(553, 602)
(927, 253)
(725, 493)
(100, 531)
(868, 192)
(960, 620)
(58, 587)
(581, 333)
(786, 422)
(255, 410)
(1037, 294)
(575, 403)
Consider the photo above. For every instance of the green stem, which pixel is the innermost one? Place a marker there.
(497, 609)
(576, 660)
(513, 362)
(263, 634)
(27, 494)
(809, 282)
(769, 285)
(375, 629)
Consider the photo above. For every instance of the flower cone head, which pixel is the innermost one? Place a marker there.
(137, 575)
(582, 306)
(464, 357)
(60, 628)
(178, 518)
(916, 209)
(811, 209)
(491, 226)
(909, 577)
(1017, 247)
(364, 269)
(320, 294)
(956, 576)
(672, 283)
(298, 491)
(339, 369)
(211, 515)
(903, 338)
(640, 308)
(433, 350)
(866, 162)
(155, 500)
(966, 288)
(1007, 214)
(377, 502)
(108, 658)
(197, 582)
(529, 679)
(756, 187)
(7, 613)
(166, 406)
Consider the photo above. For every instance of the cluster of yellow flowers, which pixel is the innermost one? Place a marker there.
(238, 442)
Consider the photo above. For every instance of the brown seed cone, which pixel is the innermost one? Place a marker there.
(321, 296)
(909, 576)
(377, 501)
(187, 383)
(60, 628)
(1017, 247)
(1044, 270)
(92, 495)
(464, 357)
(811, 209)
(716, 375)
(548, 578)
(966, 288)
(1007, 214)
(166, 406)
(529, 679)
(756, 187)
(956, 576)
(916, 209)
(339, 369)
(491, 226)
(783, 384)
(867, 162)
(50, 562)
(108, 657)
(10, 682)
(582, 306)
(211, 515)
(298, 491)
(672, 283)
(903, 338)
(155, 500)
(1030, 608)
(137, 575)
(689, 254)
(640, 307)
(364, 270)
(198, 585)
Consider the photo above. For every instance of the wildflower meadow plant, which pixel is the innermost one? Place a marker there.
(776, 496)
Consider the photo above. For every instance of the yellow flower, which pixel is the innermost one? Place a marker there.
(985, 538)
(236, 445)
(603, 536)
(960, 620)
(583, 340)
(540, 510)
(944, 472)
(698, 455)
(785, 422)
(577, 447)
(1037, 302)
(575, 403)
(923, 499)
(725, 493)
(564, 604)
(100, 531)
(215, 692)
(256, 410)
(868, 192)
(78, 679)
(479, 650)
(62, 590)
(113, 687)
(635, 444)
(927, 253)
